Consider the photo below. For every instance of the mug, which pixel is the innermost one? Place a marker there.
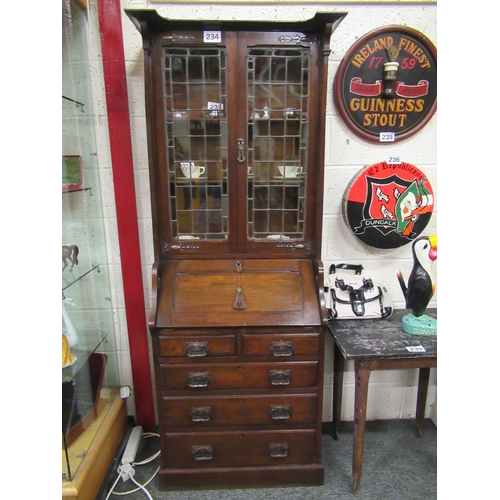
(289, 171)
(190, 170)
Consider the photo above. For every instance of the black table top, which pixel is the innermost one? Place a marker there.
(381, 338)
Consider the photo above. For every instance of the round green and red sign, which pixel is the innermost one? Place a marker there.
(388, 205)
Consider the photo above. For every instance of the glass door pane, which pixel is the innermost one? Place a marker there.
(195, 97)
(278, 117)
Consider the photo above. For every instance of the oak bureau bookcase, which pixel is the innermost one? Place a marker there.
(236, 132)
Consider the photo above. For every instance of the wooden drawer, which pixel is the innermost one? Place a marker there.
(268, 409)
(216, 449)
(189, 346)
(198, 376)
(281, 346)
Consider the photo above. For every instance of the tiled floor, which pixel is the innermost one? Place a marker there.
(396, 466)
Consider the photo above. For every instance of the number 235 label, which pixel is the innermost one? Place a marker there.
(212, 37)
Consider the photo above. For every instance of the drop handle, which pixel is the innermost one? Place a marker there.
(196, 349)
(280, 412)
(280, 377)
(199, 379)
(278, 450)
(200, 413)
(282, 348)
(241, 147)
(202, 453)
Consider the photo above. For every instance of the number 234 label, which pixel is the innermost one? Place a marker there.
(212, 37)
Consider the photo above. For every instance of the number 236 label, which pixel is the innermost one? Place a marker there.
(212, 36)
(394, 160)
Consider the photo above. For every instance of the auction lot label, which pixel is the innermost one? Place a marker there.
(386, 85)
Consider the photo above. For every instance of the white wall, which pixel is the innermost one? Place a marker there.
(392, 394)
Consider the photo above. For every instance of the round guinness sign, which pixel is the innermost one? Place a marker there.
(386, 86)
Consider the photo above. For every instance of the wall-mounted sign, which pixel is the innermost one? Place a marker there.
(388, 205)
(386, 86)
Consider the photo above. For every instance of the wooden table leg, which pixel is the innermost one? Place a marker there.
(362, 373)
(423, 385)
(338, 381)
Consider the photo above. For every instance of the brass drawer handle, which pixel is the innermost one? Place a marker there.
(202, 452)
(201, 413)
(280, 412)
(199, 379)
(282, 348)
(196, 349)
(278, 450)
(280, 377)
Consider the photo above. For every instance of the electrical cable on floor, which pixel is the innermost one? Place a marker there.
(124, 493)
(141, 487)
(123, 473)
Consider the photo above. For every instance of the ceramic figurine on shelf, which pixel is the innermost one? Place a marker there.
(421, 287)
(68, 328)
(69, 252)
(68, 358)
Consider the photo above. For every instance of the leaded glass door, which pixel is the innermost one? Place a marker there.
(277, 96)
(195, 96)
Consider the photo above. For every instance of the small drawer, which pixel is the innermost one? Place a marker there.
(276, 375)
(196, 346)
(269, 409)
(281, 346)
(220, 449)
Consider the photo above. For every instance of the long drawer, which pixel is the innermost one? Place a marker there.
(199, 376)
(244, 448)
(279, 409)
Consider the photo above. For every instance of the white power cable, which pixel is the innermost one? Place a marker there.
(124, 493)
(114, 484)
(129, 473)
(141, 487)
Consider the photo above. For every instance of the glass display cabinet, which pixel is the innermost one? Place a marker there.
(90, 381)
(275, 143)
(236, 133)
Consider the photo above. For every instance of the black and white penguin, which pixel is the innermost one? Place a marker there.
(421, 285)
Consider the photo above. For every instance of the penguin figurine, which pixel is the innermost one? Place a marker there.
(421, 285)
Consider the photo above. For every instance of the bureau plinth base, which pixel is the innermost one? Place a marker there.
(242, 477)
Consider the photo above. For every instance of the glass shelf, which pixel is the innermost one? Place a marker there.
(75, 280)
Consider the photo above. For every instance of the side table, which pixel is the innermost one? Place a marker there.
(378, 344)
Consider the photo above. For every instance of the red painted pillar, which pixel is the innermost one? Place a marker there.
(110, 26)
